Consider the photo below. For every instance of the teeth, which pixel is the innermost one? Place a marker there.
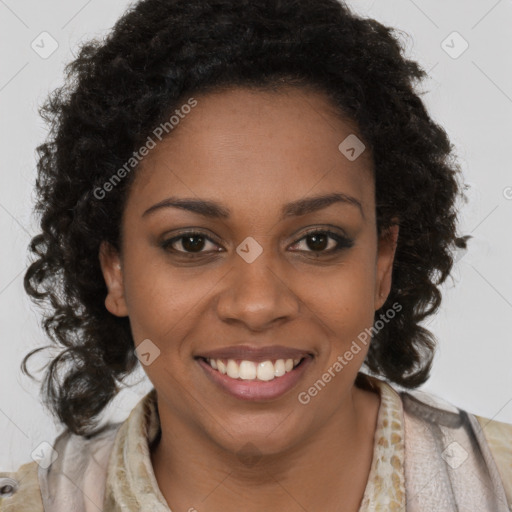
(280, 367)
(266, 370)
(220, 364)
(249, 370)
(233, 370)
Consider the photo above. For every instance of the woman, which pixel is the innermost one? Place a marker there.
(250, 199)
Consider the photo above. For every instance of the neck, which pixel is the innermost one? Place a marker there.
(327, 468)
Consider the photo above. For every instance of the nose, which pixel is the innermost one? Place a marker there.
(257, 295)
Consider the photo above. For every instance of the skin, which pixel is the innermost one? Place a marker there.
(254, 151)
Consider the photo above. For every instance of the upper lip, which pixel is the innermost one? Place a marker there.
(255, 353)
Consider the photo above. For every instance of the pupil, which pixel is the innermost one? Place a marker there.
(319, 241)
(191, 246)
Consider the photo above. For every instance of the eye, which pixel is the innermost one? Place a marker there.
(191, 243)
(317, 241)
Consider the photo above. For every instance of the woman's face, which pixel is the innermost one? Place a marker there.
(253, 277)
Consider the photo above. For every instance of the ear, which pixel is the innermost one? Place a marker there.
(385, 257)
(111, 268)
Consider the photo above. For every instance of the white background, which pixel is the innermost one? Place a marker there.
(471, 96)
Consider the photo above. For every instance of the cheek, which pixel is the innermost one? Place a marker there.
(158, 299)
(349, 287)
(346, 303)
(161, 310)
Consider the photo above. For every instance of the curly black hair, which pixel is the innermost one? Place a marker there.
(119, 89)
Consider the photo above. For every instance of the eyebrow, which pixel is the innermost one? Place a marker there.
(212, 209)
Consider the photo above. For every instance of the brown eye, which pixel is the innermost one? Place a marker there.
(318, 241)
(187, 243)
(193, 243)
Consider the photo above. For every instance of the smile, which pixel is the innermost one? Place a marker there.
(251, 380)
(250, 370)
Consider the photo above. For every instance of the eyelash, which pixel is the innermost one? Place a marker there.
(342, 242)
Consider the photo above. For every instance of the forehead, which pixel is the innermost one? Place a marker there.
(245, 146)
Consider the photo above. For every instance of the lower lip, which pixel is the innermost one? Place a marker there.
(256, 389)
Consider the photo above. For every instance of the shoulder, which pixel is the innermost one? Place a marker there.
(74, 456)
(499, 439)
(498, 435)
(19, 490)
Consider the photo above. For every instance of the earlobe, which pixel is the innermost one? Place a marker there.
(386, 255)
(113, 276)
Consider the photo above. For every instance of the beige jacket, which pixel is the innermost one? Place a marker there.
(428, 456)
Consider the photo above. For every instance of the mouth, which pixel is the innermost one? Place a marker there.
(253, 370)
(255, 380)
